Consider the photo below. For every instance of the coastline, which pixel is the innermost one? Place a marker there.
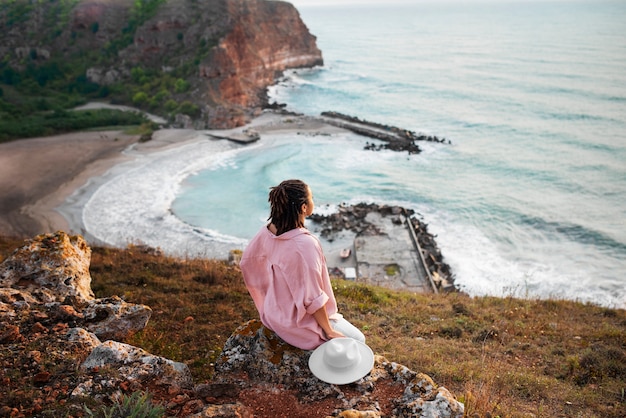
(39, 176)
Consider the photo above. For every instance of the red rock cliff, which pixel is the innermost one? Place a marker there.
(266, 38)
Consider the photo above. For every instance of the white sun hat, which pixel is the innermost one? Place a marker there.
(341, 361)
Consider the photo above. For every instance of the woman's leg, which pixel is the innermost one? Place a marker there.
(347, 329)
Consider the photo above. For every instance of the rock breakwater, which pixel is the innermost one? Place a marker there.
(358, 220)
(396, 139)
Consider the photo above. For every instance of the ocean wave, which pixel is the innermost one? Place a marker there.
(578, 233)
(132, 203)
(485, 265)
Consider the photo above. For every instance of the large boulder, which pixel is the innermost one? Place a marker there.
(114, 319)
(52, 267)
(51, 273)
(135, 366)
(254, 356)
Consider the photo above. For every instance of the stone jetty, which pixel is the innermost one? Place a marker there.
(383, 245)
(396, 139)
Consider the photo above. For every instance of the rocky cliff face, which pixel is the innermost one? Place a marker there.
(59, 348)
(266, 38)
(228, 51)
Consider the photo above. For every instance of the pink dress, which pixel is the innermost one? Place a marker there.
(288, 280)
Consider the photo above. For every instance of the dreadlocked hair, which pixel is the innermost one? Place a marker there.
(286, 200)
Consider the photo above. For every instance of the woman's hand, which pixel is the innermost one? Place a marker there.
(333, 334)
(322, 319)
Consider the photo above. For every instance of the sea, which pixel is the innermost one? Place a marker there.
(526, 196)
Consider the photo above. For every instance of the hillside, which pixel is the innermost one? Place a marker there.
(198, 63)
(501, 357)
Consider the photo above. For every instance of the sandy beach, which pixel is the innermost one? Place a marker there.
(38, 174)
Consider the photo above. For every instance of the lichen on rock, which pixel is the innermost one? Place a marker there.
(56, 262)
(263, 358)
(56, 308)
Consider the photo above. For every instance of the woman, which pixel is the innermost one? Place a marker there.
(285, 272)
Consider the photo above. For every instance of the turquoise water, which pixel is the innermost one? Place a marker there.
(529, 199)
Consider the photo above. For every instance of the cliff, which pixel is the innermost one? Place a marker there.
(61, 345)
(500, 356)
(216, 57)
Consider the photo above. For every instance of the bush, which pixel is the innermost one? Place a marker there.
(59, 121)
(171, 105)
(189, 109)
(138, 405)
(181, 86)
(140, 98)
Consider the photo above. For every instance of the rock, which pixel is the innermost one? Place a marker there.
(266, 358)
(257, 353)
(9, 333)
(102, 77)
(52, 270)
(85, 338)
(235, 410)
(135, 365)
(56, 263)
(113, 318)
(12, 300)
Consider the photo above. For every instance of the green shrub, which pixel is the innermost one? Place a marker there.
(59, 121)
(181, 86)
(140, 98)
(189, 109)
(137, 405)
(171, 105)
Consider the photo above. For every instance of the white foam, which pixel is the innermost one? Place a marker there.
(481, 267)
(132, 203)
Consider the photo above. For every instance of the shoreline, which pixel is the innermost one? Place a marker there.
(40, 177)
(38, 174)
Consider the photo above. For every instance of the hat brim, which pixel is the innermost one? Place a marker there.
(333, 376)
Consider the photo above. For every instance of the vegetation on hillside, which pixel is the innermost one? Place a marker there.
(37, 90)
(503, 357)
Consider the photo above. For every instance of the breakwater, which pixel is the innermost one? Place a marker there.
(396, 139)
(432, 272)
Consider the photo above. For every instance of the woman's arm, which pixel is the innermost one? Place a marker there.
(321, 316)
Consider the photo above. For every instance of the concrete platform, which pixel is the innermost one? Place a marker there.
(388, 259)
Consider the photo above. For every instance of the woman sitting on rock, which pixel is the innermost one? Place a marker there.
(285, 272)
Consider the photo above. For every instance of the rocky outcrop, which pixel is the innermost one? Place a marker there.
(254, 356)
(52, 268)
(228, 51)
(51, 273)
(51, 321)
(266, 38)
(135, 367)
(60, 341)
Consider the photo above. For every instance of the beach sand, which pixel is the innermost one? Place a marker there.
(37, 175)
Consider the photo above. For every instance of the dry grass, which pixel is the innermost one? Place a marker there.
(503, 357)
